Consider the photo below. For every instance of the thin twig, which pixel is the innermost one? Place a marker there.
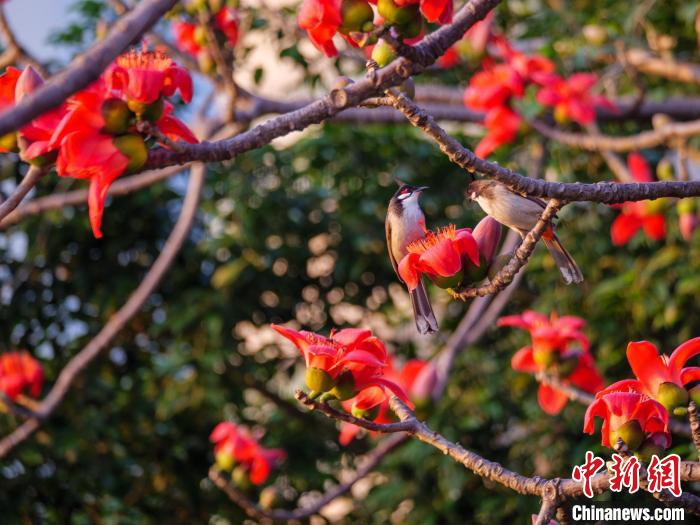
(16, 51)
(30, 179)
(118, 321)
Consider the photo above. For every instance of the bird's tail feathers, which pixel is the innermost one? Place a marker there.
(423, 310)
(567, 266)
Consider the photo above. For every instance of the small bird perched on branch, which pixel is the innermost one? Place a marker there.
(521, 213)
(404, 224)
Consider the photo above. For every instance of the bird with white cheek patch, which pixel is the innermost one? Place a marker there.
(404, 224)
(521, 213)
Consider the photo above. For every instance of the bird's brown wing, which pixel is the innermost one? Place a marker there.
(387, 227)
(542, 204)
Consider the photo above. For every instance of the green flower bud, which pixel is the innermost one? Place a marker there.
(544, 358)
(395, 15)
(685, 206)
(117, 116)
(9, 141)
(224, 461)
(648, 449)
(664, 170)
(411, 29)
(240, 478)
(319, 380)
(656, 206)
(355, 15)
(383, 53)
(269, 497)
(134, 148)
(694, 394)
(670, 395)
(344, 386)
(365, 414)
(631, 433)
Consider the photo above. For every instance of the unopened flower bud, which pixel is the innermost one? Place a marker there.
(447, 282)
(656, 205)
(648, 449)
(116, 115)
(631, 433)
(150, 112)
(488, 235)
(395, 15)
(670, 395)
(410, 29)
(134, 148)
(356, 16)
(240, 478)
(8, 142)
(371, 413)
(694, 394)
(344, 386)
(383, 53)
(269, 496)
(664, 170)
(318, 380)
(28, 82)
(224, 460)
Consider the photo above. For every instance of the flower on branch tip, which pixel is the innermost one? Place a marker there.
(493, 87)
(344, 364)
(417, 378)
(144, 76)
(443, 255)
(638, 215)
(634, 417)
(559, 347)
(234, 446)
(571, 97)
(321, 20)
(20, 372)
(663, 378)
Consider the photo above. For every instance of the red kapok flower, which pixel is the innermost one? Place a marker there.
(558, 346)
(493, 87)
(234, 445)
(660, 377)
(344, 364)
(20, 372)
(640, 214)
(173, 127)
(186, 38)
(442, 255)
(416, 378)
(321, 20)
(143, 76)
(502, 124)
(629, 415)
(571, 98)
(227, 21)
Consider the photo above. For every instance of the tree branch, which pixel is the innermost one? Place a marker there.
(119, 320)
(16, 51)
(30, 179)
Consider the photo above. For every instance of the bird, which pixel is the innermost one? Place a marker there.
(521, 213)
(404, 224)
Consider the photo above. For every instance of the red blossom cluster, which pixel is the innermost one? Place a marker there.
(191, 35)
(355, 20)
(637, 410)
(97, 134)
(20, 372)
(350, 364)
(559, 347)
(449, 256)
(417, 378)
(235, 449)
(500, 83)
(639, 215)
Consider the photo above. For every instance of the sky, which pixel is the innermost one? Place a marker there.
(34, 20)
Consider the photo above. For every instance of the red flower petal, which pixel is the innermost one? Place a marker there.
(624, 227)
(681, 356)
(648, 366)
(523, 361)
(551, 400)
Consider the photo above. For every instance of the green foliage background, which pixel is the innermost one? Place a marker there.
(130, 444)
